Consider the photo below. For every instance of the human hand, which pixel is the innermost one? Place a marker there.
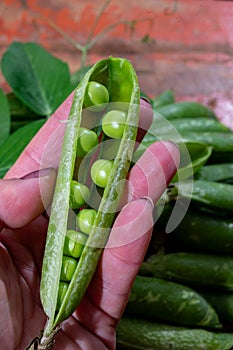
(24, 199)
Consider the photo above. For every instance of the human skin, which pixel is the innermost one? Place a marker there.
(25, 193)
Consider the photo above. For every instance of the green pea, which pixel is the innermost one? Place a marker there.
(62, 289)
(113, 123)
(79, 194)
(100, 171)
(90, 119)
(74, 243)
(85, 220)
(96, 96)
(87, 141)
(68, 267)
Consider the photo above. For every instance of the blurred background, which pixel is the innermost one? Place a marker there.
(183, 45)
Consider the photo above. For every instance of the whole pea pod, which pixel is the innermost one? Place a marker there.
(221, 142)
(199, 231)
(210, 196)
(165, 98)
(222, 302)
(73, 248)
(185, 109)
(159, 299)
(143, 334)
(199, 125)
(212, 271)
(222, 172)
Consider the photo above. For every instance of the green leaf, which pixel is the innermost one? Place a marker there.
(15, 144)
(18, 110)
(4, 117)
(38, 79)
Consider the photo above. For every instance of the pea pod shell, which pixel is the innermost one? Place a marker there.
(165, 98)
(222, 302)
(222, 172)
(141, 334)
(122, 84)
(119, 90)
(194, 269)
(200, 231)
(185, 109)
(199, 125)
(210, 194)
(164, 300)
(221, 142)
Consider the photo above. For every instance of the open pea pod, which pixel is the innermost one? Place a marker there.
(118, 77)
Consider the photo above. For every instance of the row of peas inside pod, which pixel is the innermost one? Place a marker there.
(101, 129)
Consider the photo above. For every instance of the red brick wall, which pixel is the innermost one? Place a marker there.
(185, 45)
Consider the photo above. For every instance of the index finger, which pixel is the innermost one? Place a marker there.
(44, 149)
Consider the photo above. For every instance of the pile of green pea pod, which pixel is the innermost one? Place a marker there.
(182, 297)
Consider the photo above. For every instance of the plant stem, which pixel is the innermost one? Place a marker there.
(111, 27)
(92, 40)
(84, 56)
(64, 34)
(99, 15)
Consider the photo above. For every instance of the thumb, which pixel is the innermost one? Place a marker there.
(24, 199)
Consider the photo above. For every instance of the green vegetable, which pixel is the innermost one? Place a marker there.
(15, 144)
(209, 195)
(67, 268)
(100, 171)
(85, 220)
(79, 194)
(198, 125)
(119, 78)
(222, 303)
(114, 123)
(158, 299)
(185, 109)
(87, 141)
(201, 231)
(74, 243)
(96, 96)
(222, 172)
(193, 154)
(140, 334)
(62, 290)
(165, 98)
(193, 269)
(221, 142)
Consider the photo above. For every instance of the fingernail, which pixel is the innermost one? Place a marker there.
(145, 198)
(145, 101)
(38, 173)
(149, 200)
